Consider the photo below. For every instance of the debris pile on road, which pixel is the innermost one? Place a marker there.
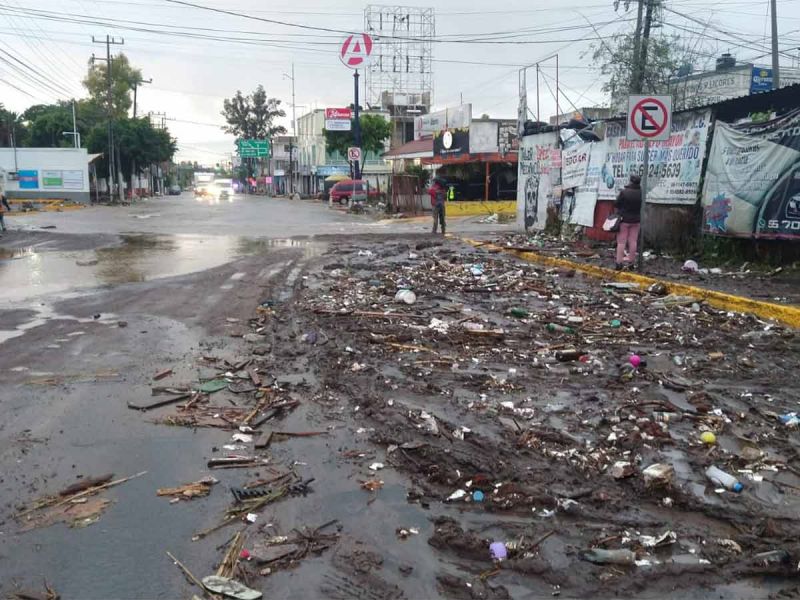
(547, 430)
(531, 391)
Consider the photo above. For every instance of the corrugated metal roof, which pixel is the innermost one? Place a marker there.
(413, 149)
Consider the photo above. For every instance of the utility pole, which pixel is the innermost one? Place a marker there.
(294, 135)
(641, 62)
(776, 66)
(136, 85)
(159, 123)
(637, 47)
(356, 127)
(76, 137)
(134, 171)
(112, 172)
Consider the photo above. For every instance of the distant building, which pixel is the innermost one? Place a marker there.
(729, 79)
(47, 173)
(280, 168)
(315, 162)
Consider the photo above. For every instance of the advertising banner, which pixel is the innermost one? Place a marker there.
(575, 162)
(675, 164)
(459, 117)
(52, 179)
(539, 179)
(28, 180)
(73, 180)
(752, 182)
(337, 125)
(451, 142)
(344, 114)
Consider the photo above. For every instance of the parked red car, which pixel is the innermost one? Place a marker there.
(346, 189)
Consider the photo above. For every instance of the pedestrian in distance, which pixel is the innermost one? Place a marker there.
(3, 208)
(437, 191)
(629, 209)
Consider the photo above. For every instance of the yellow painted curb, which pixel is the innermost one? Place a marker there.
(472, 208)
(787, 314)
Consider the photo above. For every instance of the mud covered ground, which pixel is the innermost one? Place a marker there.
(459, 396)
(392, 443)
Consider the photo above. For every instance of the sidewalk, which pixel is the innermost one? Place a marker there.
(759, 282)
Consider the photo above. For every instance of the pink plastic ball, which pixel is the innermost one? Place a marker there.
(635, 360)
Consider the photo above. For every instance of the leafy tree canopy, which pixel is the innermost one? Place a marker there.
(123, 78)
(375, 130)
(253, 116)
(615, 61)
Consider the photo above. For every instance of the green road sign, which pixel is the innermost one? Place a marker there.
(253, 148)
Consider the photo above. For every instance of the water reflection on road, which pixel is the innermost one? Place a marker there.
(25, 273)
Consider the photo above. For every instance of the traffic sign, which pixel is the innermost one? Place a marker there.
(339, 113)
(355, 50)
(649, 118)
(338, 119)
(253, 148)
(354, 154)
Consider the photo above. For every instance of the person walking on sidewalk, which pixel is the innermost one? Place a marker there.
(629, 208)
(437, 193)
(3, 207)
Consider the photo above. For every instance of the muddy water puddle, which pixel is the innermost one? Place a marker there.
(28, 272)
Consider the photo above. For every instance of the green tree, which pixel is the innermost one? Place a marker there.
(12, 123)
(47, 124)
(375, 130)
(253, 116)
(139, 144)
(123, 76)
(615, 61)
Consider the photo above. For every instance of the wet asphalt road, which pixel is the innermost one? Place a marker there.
(173, 270)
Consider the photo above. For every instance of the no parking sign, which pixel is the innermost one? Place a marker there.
(649, 118)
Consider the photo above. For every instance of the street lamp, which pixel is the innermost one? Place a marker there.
(76, 137)
(294, 134)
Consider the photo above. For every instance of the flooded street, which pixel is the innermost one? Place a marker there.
(367, 444)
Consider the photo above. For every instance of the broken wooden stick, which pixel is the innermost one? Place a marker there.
(54, 503)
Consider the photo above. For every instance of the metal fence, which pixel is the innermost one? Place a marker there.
(406, 196)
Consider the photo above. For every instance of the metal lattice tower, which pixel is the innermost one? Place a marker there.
(401, 69)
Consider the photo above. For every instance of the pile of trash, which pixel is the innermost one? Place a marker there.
(555, 431)
(596, 409)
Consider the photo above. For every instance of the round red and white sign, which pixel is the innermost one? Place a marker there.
(355, 50)
(649, 118)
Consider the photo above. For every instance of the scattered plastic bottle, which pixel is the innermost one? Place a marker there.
(666, 417)
(615, 323)
(568, 355)
(723, 479)
(600, 556)
(519, 313)
(559, 328)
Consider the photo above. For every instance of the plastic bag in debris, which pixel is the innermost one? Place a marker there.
(230, 587)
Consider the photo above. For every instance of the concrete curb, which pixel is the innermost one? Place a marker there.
(788, 315)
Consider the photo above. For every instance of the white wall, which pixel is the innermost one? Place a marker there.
(45, 172)
(482, 137)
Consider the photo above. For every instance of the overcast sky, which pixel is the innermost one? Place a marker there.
(191, 77)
